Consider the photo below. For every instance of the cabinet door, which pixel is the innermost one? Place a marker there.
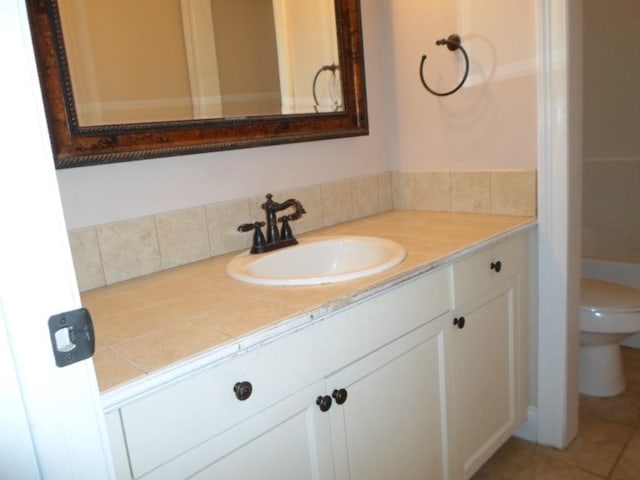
(485, 367)
(288, 441)
(394, 422)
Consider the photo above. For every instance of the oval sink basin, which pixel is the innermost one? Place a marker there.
(318, 260)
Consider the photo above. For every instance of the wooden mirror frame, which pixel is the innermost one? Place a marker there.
(75, 146)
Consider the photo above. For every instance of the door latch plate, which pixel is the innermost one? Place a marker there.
(72, 336)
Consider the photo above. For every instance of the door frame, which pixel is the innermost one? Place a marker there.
(61, 407)
(559, 219)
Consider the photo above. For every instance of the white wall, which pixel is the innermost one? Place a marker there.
(490, 125)
(109, 193)
(492, 122)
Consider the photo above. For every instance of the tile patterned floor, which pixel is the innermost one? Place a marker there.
(607, 446)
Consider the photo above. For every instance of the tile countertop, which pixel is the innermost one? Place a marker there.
(154, 329)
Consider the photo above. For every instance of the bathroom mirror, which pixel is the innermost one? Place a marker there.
(212, 75)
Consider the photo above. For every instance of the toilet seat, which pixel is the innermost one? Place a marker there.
(608, 307)
(609, 312)
(604, 295)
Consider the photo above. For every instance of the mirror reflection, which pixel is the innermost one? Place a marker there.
(174, 60)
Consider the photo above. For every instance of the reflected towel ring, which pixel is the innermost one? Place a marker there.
(453, 43)
(333, 68)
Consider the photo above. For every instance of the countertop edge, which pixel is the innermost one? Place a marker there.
(139, 387)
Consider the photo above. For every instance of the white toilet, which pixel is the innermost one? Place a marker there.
(609, 312)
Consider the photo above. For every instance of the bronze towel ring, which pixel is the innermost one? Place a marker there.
(453, 43)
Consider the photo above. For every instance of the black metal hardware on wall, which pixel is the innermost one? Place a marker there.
(333, 68)
(453, 43)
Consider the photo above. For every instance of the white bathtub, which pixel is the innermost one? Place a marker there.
(627, 273)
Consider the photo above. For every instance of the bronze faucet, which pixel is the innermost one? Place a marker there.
(275, 238)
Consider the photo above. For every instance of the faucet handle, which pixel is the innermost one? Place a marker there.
(247, 227)
(290, 217)
(285, 230)
(258, 237)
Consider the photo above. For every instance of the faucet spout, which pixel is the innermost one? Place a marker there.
(275, 238)
(272, 207)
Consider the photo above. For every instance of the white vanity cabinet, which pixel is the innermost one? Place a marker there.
(387, 358)
(405, 392)
(489, 353)
(189, 425)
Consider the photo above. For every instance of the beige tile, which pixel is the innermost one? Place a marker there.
(596, 448)
(172, 344)
(304, 298)
(337, 202)
(113, 369)
(311, 199)
(129, 249)
(116, 328)
(256, 212)
(550, 469)
(385, 192)
(514, 461)
(623, 408)
(631, 360)
(402, 185)
(519, 460)
(194, 302)
(628, 467)
(471, 192)
(87, 260)
(223, 220)
(364, 191)
(513, 193)
(234, 321)
(182, 237)
(432, 191)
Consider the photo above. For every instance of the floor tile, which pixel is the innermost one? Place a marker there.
(607, 446)
(623, 408)
(597, 447)
(631, 359)
(628, 467)
(519, 460)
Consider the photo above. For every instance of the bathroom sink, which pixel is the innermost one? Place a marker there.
(318, 260)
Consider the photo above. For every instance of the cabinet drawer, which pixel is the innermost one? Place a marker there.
(474, 275)
(169, 422)
(353, 333)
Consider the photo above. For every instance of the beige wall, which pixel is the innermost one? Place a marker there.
(611, 189)
(158, 90)
(247, 56)
(611, 209)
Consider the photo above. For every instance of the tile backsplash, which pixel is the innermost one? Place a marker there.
(107, 254)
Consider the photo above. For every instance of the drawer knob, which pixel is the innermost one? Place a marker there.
(324, 403)
(340, 396)
(243, 390)
(459, 322)
(497, 266)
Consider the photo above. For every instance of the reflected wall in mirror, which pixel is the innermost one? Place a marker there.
(129, 80)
